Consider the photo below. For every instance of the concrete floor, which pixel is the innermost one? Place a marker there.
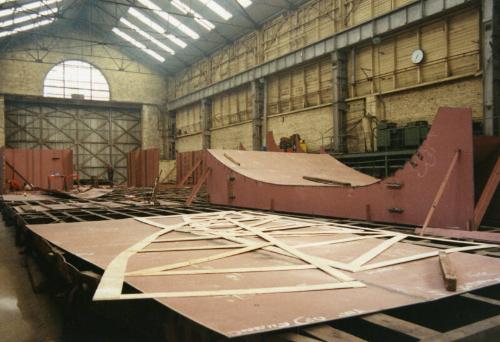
(24, 315)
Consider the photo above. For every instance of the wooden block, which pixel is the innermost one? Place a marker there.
(294, 337)
(328, 333)
(449, 274)
(400, 325)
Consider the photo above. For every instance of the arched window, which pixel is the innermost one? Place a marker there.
(76, 79)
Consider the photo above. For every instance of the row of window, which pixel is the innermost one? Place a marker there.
(76, 79)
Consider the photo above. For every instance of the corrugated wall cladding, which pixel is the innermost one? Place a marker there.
(38, 165)
(292, 30)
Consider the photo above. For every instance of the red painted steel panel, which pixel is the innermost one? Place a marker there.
(37, 166)
(185, 162)
(143, 167)
(380, 201)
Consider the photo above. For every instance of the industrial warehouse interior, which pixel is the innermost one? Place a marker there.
(250, 170)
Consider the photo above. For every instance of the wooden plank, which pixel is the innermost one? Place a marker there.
(237, 292)
(148, 271)
(485, 330)
(231, 159)
(484, 299)
(110, 286)
(331, 242)
(364, 258)
(325, 181)
(421, 256)
(197, 187)
(189, 173)
(305, 257)
(486, 236)
(293, 337)
(238, 270)
(194, 238)
(440, 192)
(487, 194)
(402, 326)
(190, 248)
(328, 333)
(449, 273)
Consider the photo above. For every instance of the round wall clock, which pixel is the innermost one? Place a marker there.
(417, 56)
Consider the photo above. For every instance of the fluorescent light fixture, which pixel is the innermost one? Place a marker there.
(245, 3)
(147, 36)
(197, 17)
(28, 17)
(28, 7)
(216, 8)
(170, 19)
(137, 44)
(27, 27)
(145, 20)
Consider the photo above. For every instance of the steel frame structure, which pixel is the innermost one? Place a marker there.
(97, 135)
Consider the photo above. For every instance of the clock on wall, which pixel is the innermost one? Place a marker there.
(417, 56)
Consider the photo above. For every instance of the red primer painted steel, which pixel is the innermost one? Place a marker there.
(185, 161)
(143, 167)
(486, 153)
(38, 166)
(268, 184)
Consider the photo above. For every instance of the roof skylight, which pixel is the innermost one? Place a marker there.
(26, 27)
(137, 44)
(28, 17)
(170, 19)
(197, 17)
(28, 7)
(216, 8)
(245, 3)
(144, 19)
(147, 36)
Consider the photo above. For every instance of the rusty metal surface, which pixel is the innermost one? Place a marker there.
(37, 165)
(419, 181)
(143, 167)
(388, 287)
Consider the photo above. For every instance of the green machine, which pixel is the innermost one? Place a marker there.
(414, 133)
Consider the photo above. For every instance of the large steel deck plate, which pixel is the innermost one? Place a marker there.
(385, 286)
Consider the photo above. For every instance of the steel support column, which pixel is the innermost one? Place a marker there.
(491, 66)
(258, 114)
(2, 121)
(169, 135)
(206, 120)
(339, 107)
